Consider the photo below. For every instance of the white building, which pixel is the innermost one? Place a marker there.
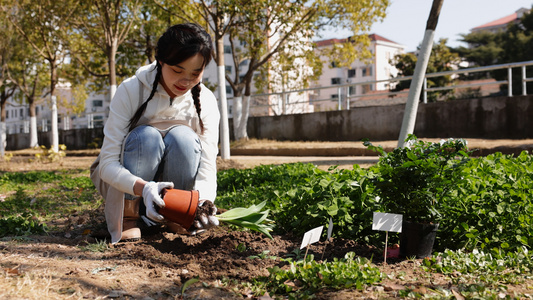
(97, 105)
(379, 68)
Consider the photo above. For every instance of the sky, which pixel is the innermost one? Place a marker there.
(406, 20)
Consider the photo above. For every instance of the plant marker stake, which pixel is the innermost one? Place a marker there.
(330, 230)
(387, 222)
(386, 246)
(308, 244)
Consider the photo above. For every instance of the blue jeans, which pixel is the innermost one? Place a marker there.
(156, 156)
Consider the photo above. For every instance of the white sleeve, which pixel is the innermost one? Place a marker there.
(206, 179)
(122, 107)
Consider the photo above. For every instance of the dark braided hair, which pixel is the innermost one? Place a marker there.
(179, 43)
(195, 91)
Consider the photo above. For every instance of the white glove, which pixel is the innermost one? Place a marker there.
(205, 218)
(151, 197)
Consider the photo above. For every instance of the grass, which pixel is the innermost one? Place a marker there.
(35, 198)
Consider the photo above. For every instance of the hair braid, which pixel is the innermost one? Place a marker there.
(196, 97)
(137, 116)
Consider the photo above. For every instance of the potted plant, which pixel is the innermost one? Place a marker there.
(412, 181)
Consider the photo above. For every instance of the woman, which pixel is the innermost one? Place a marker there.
(162, 132)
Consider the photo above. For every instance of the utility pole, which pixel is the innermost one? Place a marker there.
(411, 107)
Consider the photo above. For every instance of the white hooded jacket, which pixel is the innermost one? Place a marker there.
(160, 112)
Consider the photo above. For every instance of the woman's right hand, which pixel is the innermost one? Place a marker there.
(152, 196)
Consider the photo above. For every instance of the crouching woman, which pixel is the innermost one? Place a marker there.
(162, 132)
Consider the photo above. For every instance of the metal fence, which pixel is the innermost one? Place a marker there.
(344, 97)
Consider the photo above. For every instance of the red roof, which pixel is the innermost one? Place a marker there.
(375, 37)
(499, 22)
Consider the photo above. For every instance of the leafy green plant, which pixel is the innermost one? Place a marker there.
(253, 218)
(301, 196)
(413, 180)
(492, 206)
(23, 224)
(263, 255)
(494, 267)
(241, 247)
(186, 285)
(489, 206)
(304, 278)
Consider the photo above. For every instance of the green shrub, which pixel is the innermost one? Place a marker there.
(20, 225)
(491, 206)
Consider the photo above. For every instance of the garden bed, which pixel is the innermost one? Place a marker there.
(72, 260)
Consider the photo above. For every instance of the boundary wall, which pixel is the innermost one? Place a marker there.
(487, 118)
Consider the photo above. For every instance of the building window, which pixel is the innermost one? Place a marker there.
(7, 114)
(335, 80)
(98, 103)
(21, 111)
(351, 73)
(334, 64)
(228, 69)
(227, 49)
(228, 90)
(98, 121)
(352, 90)
(334, 96)
(367, 71)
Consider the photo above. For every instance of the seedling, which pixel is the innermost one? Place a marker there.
(263, 255)
(187, 284)
(252, 218)
(241, 247)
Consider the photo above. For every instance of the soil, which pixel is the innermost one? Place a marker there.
(59, 265)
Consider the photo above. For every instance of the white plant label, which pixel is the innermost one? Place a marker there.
(387, 222)
(312, 236)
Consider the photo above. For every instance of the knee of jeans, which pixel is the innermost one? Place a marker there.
(146, 137)
(184, 138)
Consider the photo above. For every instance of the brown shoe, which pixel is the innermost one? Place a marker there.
(130, 229)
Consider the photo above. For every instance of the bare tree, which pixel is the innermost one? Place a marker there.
(102, 26)
(42, 24)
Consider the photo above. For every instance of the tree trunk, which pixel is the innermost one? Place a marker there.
(411, 107)
(223, 105)
(237, 115)
(3, 124)
(112, 51)
(241, 131)
(33, 127)
(55, 130)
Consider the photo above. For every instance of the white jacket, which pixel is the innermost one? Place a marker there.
(159, 110)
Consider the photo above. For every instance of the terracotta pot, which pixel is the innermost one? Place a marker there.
(180, 206)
